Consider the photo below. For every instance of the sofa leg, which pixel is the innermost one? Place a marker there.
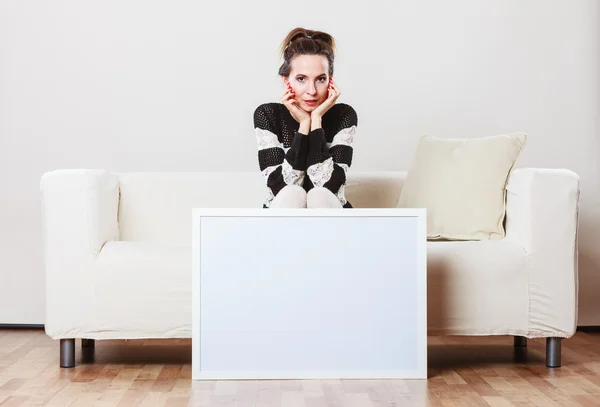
(88, 347)
(520, 341)
(67, 353)
(553, 352)
(88, 343)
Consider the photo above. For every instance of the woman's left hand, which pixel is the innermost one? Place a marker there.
(334, 94)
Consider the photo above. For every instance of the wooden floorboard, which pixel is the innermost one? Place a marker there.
(463, 371)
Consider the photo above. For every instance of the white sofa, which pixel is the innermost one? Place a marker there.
(118, 258)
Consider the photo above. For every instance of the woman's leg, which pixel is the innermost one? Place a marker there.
(291, 196)
(320, 197)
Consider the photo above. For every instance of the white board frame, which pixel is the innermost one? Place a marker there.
(420, 214)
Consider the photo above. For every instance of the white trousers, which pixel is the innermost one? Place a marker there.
(294, 196)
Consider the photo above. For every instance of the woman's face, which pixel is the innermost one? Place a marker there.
(309, 79)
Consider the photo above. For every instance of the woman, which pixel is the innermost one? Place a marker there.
(305, 142)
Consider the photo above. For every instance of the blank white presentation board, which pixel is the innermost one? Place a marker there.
(309, 293)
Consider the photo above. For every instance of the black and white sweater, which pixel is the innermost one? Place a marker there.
(321, 158)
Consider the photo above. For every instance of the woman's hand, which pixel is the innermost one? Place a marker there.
(289, 100)
(333, 96)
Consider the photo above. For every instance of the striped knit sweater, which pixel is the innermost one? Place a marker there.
(320, 158)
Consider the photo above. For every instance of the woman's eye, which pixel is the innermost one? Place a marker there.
(302, 79)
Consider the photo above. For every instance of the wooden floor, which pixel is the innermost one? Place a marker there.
(463, 371)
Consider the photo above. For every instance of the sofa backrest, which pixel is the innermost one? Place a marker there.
(157, 207)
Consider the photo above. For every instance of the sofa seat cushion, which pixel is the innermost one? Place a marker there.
(477, 287)
(144, 290)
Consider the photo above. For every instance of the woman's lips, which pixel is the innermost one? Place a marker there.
(310, 102)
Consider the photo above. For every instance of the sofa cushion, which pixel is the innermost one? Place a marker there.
(157, 207)
(144, 290)
(477, 288)
(462, 184)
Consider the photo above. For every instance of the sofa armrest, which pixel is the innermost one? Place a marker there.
(542, 215)
(79, 215)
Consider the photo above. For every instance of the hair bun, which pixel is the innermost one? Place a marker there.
(326, 38)
(314, 35)
(297, 36)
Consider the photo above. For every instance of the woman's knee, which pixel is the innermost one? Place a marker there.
(320, 197)
(290, 196)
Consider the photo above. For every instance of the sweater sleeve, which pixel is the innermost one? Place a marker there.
(327, 164)
(278, 166)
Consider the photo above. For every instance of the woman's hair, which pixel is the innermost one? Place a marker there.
(301, 41)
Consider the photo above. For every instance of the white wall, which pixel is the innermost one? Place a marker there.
(171, 86)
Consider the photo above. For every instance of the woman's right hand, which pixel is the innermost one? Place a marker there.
(289, 100)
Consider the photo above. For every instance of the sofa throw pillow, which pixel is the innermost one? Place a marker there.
(462, 184)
